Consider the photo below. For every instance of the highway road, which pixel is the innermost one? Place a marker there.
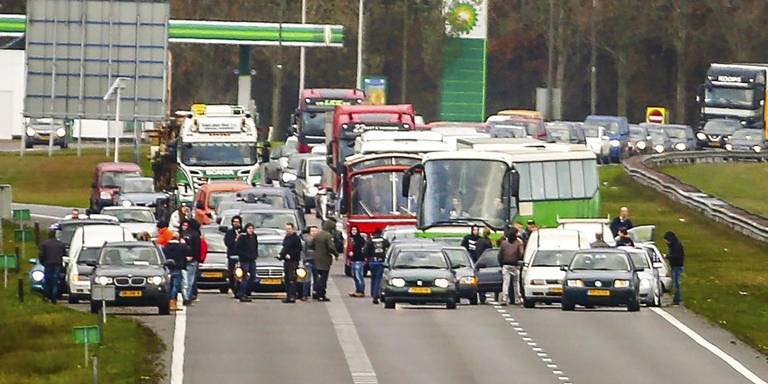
(350, 340)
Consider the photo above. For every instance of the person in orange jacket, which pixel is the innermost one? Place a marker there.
(164, 234)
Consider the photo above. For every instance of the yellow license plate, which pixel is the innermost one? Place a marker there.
(212, 274)
(555, 291)
(271, 281)
(130, 293)
(598, 292)
(420, 290)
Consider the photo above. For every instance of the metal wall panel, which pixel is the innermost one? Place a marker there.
(76, 48)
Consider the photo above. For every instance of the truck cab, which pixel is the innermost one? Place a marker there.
(315, 110)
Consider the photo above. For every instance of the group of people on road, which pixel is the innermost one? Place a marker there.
(371, 251)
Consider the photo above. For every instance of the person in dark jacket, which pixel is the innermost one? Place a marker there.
(290, 254)
(482, 244)
(624, 239)
(52, 258)
(325, 251)
(676, 257)
(357, 258)
(599, 241)
(309, 261)
(470, 241)
(376, 250)
(511, 253)
(190, 232)
(248, 252)
(177, 251)
(230, 241)
(621, 221)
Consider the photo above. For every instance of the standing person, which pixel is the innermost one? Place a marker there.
(510, 255)
(191, 235)
(676, 257)
(482, 244)
(248, 252)
(325, 251)
(75, 213)
(164, 234)
(621, 221)
(470, 241)
(376, 250)
(357, 256)
(624, 239)
(52, 258)
(290, 254)
(177, 251)
(177, 217)
(599, 241)
(309, 262)
(230, 241)
(531, 228)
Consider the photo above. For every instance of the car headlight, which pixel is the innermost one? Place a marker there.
(641, 145)
(615, 143)
(156, 280)
(441, 283)
(312, 190)
(103, 280)
(621, 283)
(729, 147)
(105, 195)
(30, 132)
(757, 148)
(743, 122)
(469, 280)
(644, 283)
(701, 136)
(538, 282)
(681, 146)
(301, 273)
(126, 203)
(239, 273)
(397, 282)
(659, 148)
(575, 283)
(38, 276)
(61, 132)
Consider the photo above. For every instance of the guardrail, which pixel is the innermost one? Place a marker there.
(641, 169)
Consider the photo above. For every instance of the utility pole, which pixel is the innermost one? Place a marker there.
(404, 56)
(360, 37)
(550, 59)
(302, 50)
(278, 83)
(593, 60)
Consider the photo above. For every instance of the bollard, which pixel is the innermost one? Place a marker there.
(95, 364)
(37, 233)
(21, 290)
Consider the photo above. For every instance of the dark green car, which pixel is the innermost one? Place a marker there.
(419, 275)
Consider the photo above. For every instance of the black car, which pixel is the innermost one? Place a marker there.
(489, 278)
(419, 276)
(717, 132)
(270, 276)
(138, 272)
(601, 277)
(464, 268)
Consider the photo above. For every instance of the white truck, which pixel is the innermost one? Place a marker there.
(216, 142)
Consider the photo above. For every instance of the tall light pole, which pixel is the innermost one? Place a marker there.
(360, 37)
(302, 50)
(404, 62)
(115, 89)
(550, 59)
(593, 60)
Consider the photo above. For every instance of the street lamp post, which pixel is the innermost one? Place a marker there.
(360, 36)
(115, 89)
(302, 50)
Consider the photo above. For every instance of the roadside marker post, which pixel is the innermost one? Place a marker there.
(103, 293)
(89, 334)
(7, 262)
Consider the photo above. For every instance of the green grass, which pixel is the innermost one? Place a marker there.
(63, 179)
(36, 340)
(741, 184)
(726, 274)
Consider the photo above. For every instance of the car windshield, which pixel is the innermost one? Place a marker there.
(424, 259)
(600, 262)
(268, 250)
(459, 257)
(114, 179)
(591, 130)
(217, 197)
(465, 189)
(729, 97)
(722, 126)
(676, 133)
(137, 185)
(748, 134)
(219, 154)
(637, 133)
(274, 201)
(129, 255)
(508, 130)
(551, 258)
(316, 167)
(88, 255)
(559, 134)
(379, 161)
(657, 136)
(379, 193)
(313, 122)
(639, 259)
(268, 219)
(131, 215)
(611, 127)
(489, 259)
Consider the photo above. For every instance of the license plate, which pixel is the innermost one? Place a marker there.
(420, 290)
(271, 281)
(557, 291)
(130, 293)
(212, 274)
(598, 292)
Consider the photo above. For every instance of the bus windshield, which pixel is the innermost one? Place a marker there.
(380, 194)
(465, 189)
(313, 122)
(729, 97)
(219, 154)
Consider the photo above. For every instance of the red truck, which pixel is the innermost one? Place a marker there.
(315, 111)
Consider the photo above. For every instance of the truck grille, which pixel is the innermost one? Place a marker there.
(269, 272)
(130, 281)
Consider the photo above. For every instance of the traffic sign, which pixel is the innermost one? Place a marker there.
(102, 292)
(89, 334)
(23, 235)
(8, 262)
(21, 214)
(656, 115)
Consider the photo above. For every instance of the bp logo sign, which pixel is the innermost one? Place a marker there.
(464, 18)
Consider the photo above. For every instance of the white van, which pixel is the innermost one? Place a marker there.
(83, 250)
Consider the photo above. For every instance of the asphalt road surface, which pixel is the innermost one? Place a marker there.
(350, 340)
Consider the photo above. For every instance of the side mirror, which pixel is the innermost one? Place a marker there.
(32, 261)
(91, 264)
(218, 220)
(564, 268)
(223, 228)
(658, 265)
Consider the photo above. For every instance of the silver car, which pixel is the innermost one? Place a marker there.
(651, 288)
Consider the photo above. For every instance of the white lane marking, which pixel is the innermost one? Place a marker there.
(179, 337)
(359, 364)
(735, 364)
(557, 372)
(537, 349)
(554, 366)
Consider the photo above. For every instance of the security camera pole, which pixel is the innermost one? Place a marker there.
(116, 87)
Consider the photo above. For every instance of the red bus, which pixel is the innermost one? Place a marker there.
(315, 111)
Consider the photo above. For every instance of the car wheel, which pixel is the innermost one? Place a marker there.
(529, 303)
(633, 306)
(72, 299)
(473, 300)
(451, 304)
(224, 290)
(481, 296)
(164, 308)
(95, 306)
(566, 306)
(389, 304)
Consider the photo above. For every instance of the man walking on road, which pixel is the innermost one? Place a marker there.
(510, 255)
(52, 258)
(622, 221)
(291, 256)
(357, 256)
(230, 241)
(191, 235)
(376, 249)
(177, 251)
(470, 241)
(676, 257)
(248, 252)
(325, 251)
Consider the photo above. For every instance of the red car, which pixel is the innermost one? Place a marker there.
(106, 182)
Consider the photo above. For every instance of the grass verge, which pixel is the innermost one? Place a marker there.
(741, 184)
(36, 341)
(63, 179)
(726, 276)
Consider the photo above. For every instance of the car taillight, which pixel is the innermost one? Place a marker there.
(304, 148)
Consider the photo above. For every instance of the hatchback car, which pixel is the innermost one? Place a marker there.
(747, 140)
(601, 277)
(638, 139)
(214, 272)
(419, 276)
(489, 278)
(40, 130)
(717, 132)
(138, 272)
(135, 218)
(270, 276)
(682, 137)
(543, 277)
(650, 289)
(137, 191)
(659, 141)
(466, 276)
